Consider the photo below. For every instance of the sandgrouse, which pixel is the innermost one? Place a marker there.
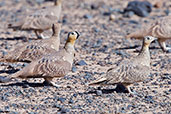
(39, 20)
(36, 49)
(129, 71)
(160, 29)
(56, 64)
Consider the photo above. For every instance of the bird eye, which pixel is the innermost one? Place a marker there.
(148, 38)
(72, 33)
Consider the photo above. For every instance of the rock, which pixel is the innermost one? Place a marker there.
(112, 17)
(99, 92)
(128, 14)
(57, 106)
(140, 8)
(98, 43)
(64, 110)
(87, 16)
(133, 22)
(94, 6)
(107, 13)
(62, 99)
(74, 69)
(95, 29)
(81, 63)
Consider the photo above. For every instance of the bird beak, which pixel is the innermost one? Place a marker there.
(77, 34)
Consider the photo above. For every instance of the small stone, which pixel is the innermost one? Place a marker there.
(81, 63)
(99, 92)
(107, 13)
(95, 29)
(128, 14)
(133, 22)
(57, 106)
(74, 69)
(61, 99)
(94, 6)
(87, 16)
(141, 9)
(112, 17)
(71, 101)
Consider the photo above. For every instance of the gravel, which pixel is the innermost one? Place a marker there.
(102, 45)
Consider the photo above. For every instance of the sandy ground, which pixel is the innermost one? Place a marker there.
(101, 45)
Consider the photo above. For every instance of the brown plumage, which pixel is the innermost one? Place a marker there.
(36, 49)
(160, 29)
(129, 71)
(39, 20)
(56, 64)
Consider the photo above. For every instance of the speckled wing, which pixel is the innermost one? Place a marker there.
(34, 52)
(162, 28)
(127, 73)
(39, 21)
(52, 66)
(27, 53)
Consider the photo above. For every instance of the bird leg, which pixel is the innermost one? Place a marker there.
(39, 34)
(163, 45)
(48, 81)
(130, 91)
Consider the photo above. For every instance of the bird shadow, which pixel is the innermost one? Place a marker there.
(25, 84)
(118, 89)
(129, 47)
(19, 38)
(11, 71)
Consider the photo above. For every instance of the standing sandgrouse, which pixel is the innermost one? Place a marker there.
(36, 49)
(56, 64)
(39, 20)
(129, 71)
(160, 29)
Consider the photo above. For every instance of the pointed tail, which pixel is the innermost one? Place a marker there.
(101, 81)
(136, 35)
(4, 79)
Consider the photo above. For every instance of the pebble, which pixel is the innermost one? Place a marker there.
(98, 43)
(141, 9)
(87, 16)
(81, 63)
(128, 14)
(112, 17)
(99, 92)
(61, 99)
(74, 69)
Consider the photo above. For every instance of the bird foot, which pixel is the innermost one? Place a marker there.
(132, 92)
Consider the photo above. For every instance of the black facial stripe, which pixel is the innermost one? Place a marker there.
(77, 34)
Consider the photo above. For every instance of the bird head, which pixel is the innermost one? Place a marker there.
(72, 37)
(148, 39)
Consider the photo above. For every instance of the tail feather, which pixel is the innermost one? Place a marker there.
(99, 81)
(4, 79)
(135, 35)
(15, 26)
